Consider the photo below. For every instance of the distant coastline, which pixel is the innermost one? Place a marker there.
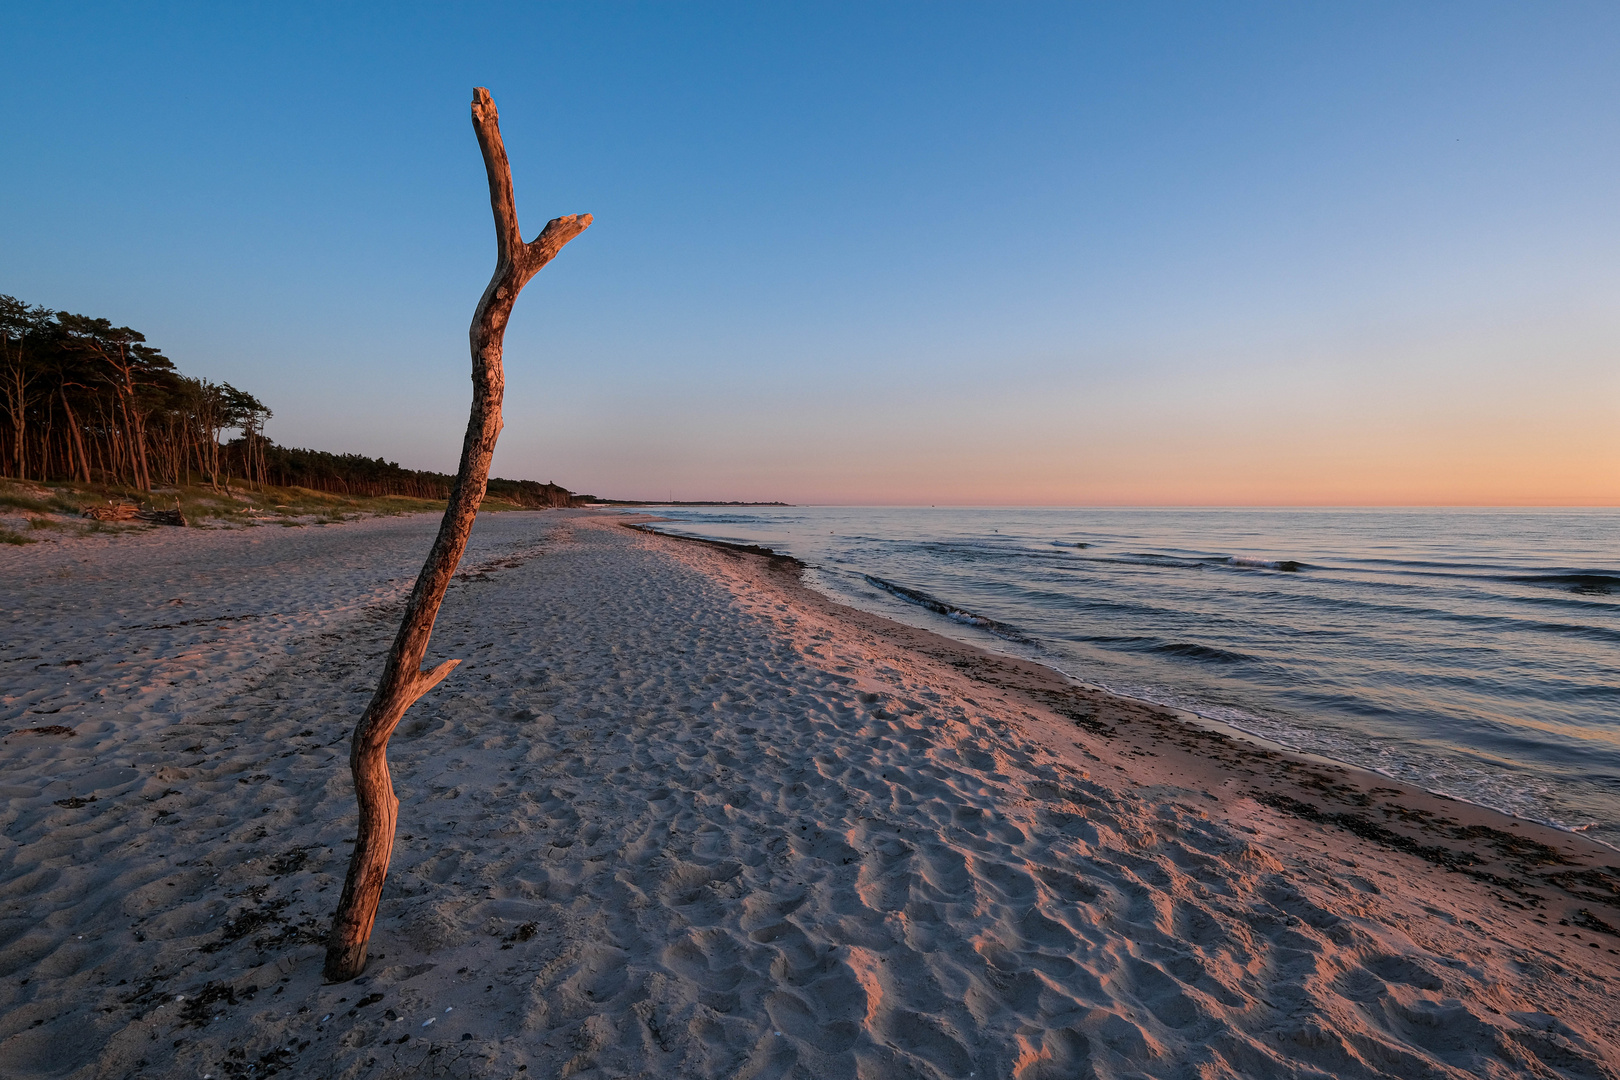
(677, 502)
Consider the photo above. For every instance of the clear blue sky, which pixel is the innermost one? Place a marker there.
(1075, 253)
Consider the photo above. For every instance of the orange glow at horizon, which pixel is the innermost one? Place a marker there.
(1474, 428)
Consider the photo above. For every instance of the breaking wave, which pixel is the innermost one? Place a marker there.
(1207, 653)
(950, 611)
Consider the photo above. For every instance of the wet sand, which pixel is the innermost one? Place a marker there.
(677, 815)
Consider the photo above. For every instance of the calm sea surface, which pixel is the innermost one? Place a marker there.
(1473, 652)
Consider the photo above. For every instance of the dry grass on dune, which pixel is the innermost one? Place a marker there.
(31, 512)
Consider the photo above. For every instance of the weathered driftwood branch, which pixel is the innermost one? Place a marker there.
(113, 512)
(403, 680)
(128, 512)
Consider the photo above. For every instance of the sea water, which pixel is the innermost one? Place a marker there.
(1474, 652)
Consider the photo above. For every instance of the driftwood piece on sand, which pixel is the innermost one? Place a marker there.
(112, 512)
(128, 512)
(403, 679)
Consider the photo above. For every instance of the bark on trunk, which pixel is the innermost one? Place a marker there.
(403, 679)
(17, 405)
(76, 445)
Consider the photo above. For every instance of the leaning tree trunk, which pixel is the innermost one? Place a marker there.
(74, 428)
(403, 679)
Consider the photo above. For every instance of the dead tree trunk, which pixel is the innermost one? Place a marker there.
(403, 680)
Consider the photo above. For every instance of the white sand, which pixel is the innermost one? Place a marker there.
(673, 817)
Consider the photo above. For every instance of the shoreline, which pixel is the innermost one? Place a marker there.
(679, 814)
(1592, 849)
(1452, 833)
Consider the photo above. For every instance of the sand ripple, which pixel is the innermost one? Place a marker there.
(664, 822)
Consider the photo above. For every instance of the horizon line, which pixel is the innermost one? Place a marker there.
(1120, 506)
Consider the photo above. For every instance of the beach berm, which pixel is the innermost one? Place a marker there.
(678, 815)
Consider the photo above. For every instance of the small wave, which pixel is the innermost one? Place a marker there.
(1588, 584)
(1201, 652)
(1070, 543)
(950, 611)
(1133, 642)
(1287, 566)
(1151, 558)
(1188, 649)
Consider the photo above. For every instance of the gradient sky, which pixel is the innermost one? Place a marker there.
(1072, 254)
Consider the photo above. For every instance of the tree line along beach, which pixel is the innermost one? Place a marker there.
(678, 814)
(94, 415)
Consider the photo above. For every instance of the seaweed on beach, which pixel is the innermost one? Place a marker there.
(526, 932)
(1522, 851)
(1599, 884)
(1463, 862)
(247, 922)
(266, 917)
(199, 1008)
(1087, 720)
(269, 1063)
(288, 862)
(149, 992)
(45, 729)
(1588, 921)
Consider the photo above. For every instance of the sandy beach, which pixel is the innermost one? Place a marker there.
(678, 815)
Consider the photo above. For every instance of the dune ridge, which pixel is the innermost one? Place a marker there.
(678, 816)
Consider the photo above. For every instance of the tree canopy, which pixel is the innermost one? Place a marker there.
(82, 399)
